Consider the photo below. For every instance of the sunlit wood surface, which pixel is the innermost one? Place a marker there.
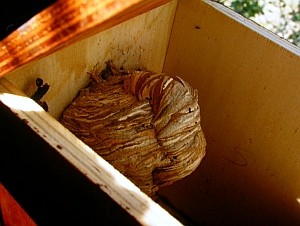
(63, 23)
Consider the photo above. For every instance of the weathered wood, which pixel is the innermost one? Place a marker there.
(63, 23)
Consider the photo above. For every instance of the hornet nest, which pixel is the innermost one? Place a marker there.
(146, 124)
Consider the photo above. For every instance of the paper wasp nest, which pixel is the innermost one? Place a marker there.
(146, 124)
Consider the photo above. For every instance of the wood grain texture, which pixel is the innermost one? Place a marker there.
(139, 42)
(63, 23)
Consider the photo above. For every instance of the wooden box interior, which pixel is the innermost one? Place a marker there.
(248, 82)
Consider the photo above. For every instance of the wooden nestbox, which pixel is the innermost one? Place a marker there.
(247, 80)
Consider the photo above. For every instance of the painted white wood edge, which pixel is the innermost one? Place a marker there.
(94, 167)
(255, 27)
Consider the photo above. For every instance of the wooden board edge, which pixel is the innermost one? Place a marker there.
(100, 172)
(63, 23)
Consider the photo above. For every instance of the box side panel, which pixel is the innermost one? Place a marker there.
(139, 42)
(248, 82)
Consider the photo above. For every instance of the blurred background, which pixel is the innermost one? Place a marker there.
(279, 16)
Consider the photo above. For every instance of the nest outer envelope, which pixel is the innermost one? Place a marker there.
(146, 124)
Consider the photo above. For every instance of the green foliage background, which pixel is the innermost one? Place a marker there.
(251, 8)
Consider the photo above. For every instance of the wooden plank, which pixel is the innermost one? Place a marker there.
(100, 172)
(48, 187)
(139, 42)
(248, 82)
(63, 23)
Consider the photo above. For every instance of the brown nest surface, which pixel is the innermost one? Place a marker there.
(146, 124)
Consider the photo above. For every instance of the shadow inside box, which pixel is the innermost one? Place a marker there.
(47, 186)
